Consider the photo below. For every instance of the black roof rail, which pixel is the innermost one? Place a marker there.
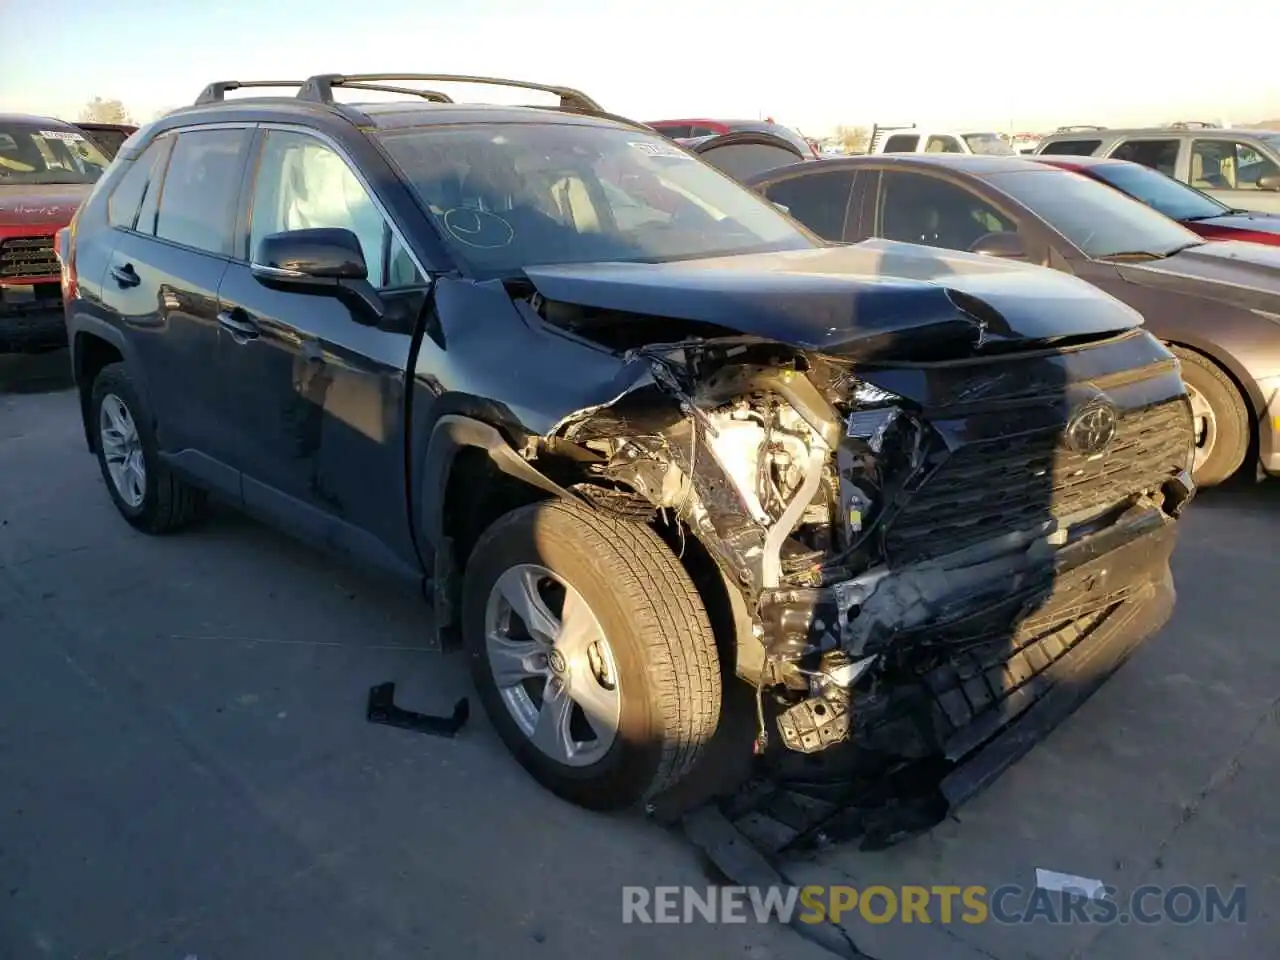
(216, 92)
(320, 87)
(435, 96)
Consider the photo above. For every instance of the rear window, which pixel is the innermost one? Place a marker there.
(47, 152)
(902, 143)
(1071, 148)
(988, 144)
(778, 130)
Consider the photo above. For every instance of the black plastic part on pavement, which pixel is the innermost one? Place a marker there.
(382, 709)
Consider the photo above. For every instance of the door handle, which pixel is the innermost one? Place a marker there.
(125, 276)
(238, 323)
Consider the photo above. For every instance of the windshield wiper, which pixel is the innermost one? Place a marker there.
(1131, 255)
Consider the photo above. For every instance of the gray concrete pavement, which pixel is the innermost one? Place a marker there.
(185, 769)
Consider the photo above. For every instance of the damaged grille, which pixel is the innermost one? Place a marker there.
(1012, 483)
(27, 257)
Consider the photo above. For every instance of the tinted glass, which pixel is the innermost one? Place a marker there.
(47, 152)
(819, 201)
(1165, 194)
(126, 199)
(1099, 220)
(509, 195)
(918, 209)
(155, 187)
(902, 143)
(202, 189)
(303, 184)
(1159, 155)
(1071, 148)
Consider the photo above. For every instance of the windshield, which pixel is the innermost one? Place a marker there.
(1175, 200)
(47, 153)
(506, 196)
(1101, 221)
(989, 144)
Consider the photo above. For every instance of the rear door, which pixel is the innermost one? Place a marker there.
(316, 396)
(173, 214)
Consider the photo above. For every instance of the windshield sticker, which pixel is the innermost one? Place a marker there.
(67, 136)
(669, 150)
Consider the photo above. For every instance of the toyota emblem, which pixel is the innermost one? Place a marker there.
(1092, 429)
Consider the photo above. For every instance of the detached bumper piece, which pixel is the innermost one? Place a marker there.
(921, 748)
(382, 709)
(31, 317)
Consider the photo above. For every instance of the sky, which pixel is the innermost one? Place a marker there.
(813, 64)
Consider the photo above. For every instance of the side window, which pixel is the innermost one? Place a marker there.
(918, 209)
(1159, 155)
(701, 132)
(127, 198)
(902, 143)
(1227, 165)
(942, 145)
(302, 183)
(197, 206)
(819, 201)
(676, 131)
(1071, 148)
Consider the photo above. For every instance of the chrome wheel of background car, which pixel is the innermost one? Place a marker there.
(122, 449)
(1204, 425)
(552, 665)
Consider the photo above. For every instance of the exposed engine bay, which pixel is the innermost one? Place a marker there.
(916, 563)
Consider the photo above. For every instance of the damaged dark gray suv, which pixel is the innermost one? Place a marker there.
(632, 429)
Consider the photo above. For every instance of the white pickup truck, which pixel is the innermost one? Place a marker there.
(909, 139)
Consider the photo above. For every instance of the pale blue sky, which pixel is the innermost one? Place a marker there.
(810, 63)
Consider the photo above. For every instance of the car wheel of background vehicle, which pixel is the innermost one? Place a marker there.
(591, 651)
(1221, 418)
(144, 490)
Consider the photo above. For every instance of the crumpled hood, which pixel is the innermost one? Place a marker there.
(831, 299)
(1246, 274)
(48, 206)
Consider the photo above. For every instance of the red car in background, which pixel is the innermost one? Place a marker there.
(698, 128)
(47, 167)
(1196, 211)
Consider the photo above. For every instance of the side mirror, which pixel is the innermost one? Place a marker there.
(322, 260)
(1269, 181)
(1003, 244)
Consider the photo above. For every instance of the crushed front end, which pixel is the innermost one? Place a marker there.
(940, 558)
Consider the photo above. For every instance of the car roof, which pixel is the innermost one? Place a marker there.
(1080, 162)
(1106, 132)
(977, 164)
(31, 118)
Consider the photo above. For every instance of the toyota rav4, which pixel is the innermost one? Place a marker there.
(633, 430)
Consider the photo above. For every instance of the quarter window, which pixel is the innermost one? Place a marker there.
(1228, 165)
(197, 207)
(942, 145)
(1159, 155)
(304, 184)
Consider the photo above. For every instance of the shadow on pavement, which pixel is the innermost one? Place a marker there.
(35, 372)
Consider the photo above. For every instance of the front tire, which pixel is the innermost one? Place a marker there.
(592, 653)
(145, 491)
(1221, 419)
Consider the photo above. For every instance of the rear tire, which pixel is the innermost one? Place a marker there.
(1222, 419)
(145, 491)
(657, 706)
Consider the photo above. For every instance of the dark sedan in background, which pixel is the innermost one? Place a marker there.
(1216, 304)
(1193, 209)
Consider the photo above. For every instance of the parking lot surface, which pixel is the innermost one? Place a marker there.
(185, 768)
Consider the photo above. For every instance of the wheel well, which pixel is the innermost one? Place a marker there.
(92, 354)
(1245, 394)
(478, 493)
